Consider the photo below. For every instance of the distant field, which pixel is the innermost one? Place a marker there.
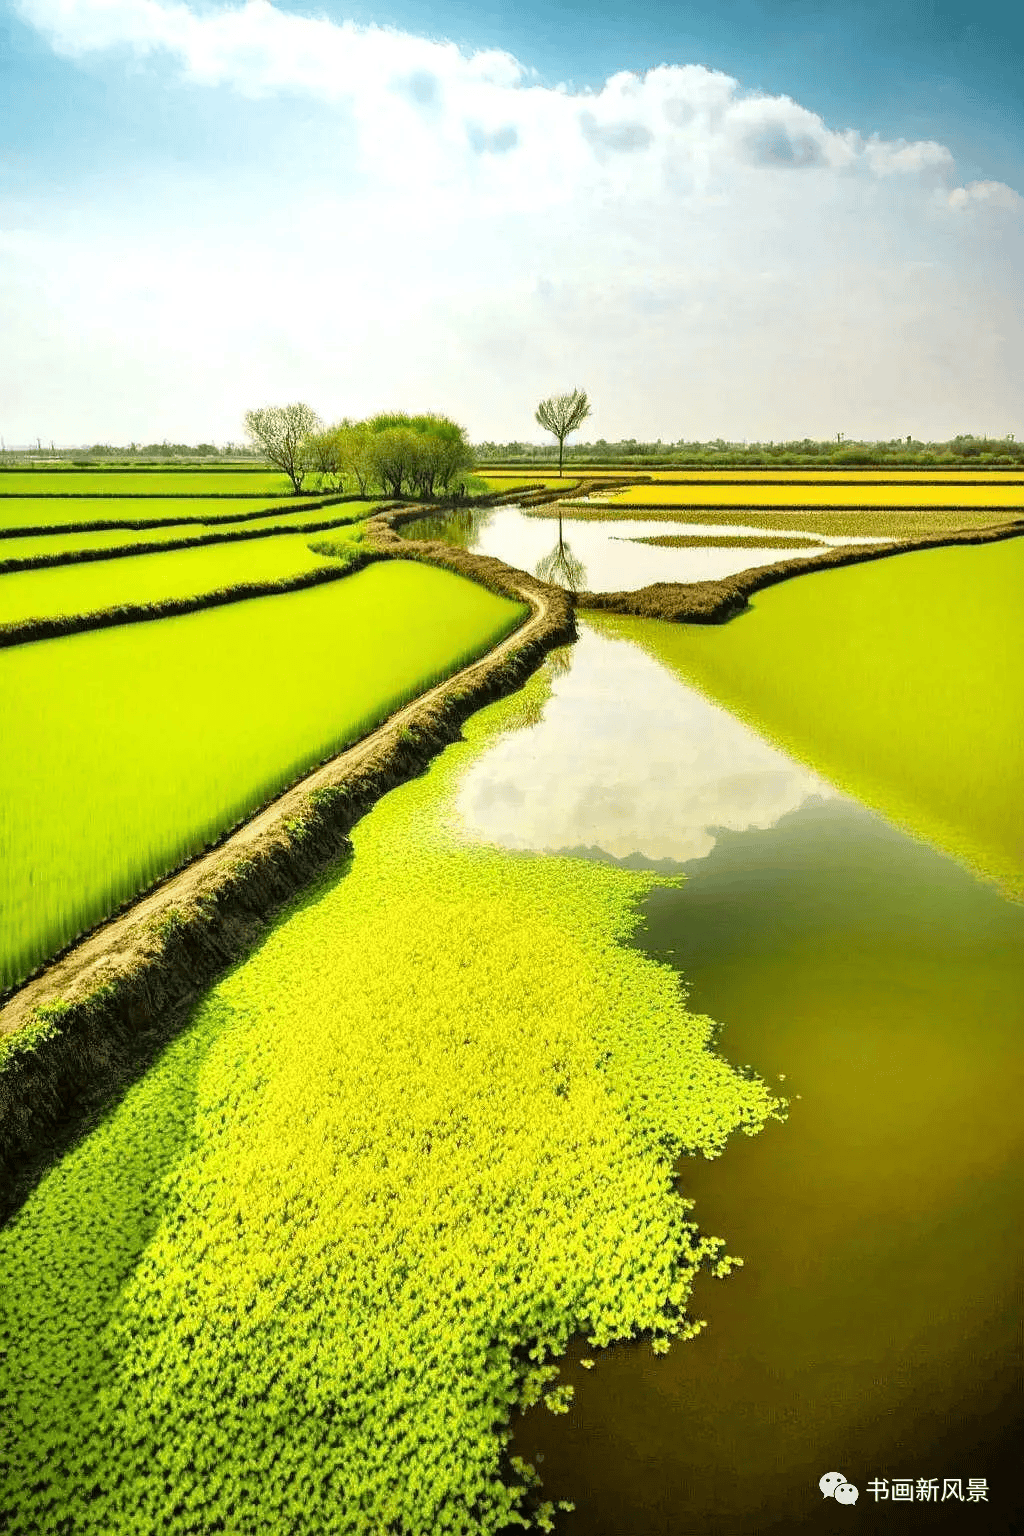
(502, 482)
(758, 476)
(132, 748)
(20, 512)
(36, 544)
(884, 525)
(816, 495)
(141, 482)
(139, 579)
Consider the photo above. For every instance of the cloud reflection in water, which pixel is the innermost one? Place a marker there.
(627, 760)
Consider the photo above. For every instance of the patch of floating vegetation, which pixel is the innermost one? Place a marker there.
(725, 541)
(303, 1275)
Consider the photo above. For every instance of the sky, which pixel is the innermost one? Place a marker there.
(755, 220)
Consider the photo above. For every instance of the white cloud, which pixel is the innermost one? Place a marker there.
(705, 260)
(986, 194)
(416, 95)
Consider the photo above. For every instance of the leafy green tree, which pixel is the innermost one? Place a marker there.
(393, 451)
(283, 433)
(562, 414)
(424, 452)
(324, 449)
(353, 443)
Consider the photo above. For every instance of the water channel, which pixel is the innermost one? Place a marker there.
(612, 559)
(874, 1328)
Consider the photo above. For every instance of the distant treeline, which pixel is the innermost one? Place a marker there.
(134, 453)
(963, 449)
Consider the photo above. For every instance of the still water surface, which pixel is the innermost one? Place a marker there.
(612, 562)
(874, 1329)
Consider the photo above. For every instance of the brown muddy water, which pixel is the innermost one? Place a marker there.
(611, 561)
(874, 1329)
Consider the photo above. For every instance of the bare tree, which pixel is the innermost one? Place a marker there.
(283, 433)
(560, 567)
(561, 415)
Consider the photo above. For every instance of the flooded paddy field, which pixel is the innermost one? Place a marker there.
(611, 554)
(878, 983)
(461, 1135)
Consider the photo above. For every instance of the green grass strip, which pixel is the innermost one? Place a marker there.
(304, 1275)
(128, 750)
(900, 680)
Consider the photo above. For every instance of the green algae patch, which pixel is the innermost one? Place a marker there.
(304, 1274)
(900, 680)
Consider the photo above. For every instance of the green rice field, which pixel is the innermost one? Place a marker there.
(812, 668)
(128, 750)
(151, 578)
(500, 482)
(33, 545)
(144, 482)
(63, 512)
(305, 1273)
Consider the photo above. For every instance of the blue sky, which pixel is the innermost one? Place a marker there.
(746, 220)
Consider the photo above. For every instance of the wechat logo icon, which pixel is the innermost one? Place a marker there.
(834, 1486)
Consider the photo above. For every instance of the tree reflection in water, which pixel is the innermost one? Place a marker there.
(560, 566)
